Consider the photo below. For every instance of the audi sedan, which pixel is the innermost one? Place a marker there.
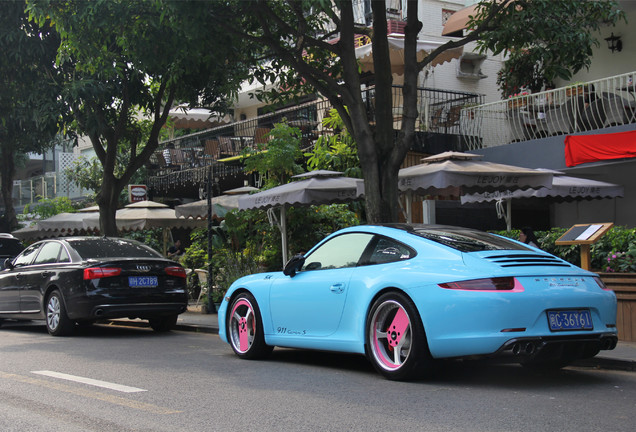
(79, 280)
(408, 295)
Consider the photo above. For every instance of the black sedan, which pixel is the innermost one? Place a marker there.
(79, 280)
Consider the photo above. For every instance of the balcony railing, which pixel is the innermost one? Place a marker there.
(579, 107)
(187, 159)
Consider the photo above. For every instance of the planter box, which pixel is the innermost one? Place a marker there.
(624, 285)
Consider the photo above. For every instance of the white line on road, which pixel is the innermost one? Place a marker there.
(89, 381)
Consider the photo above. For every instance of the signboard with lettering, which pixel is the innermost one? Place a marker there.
(137, 193)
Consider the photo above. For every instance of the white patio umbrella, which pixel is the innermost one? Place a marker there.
(319, 187)
(196, 118)
(364, 53)
(220, 204)
(149, 214)
(455, 174)
(563, 189)
(61, 224)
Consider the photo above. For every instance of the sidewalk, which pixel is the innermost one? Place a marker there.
(623, 357)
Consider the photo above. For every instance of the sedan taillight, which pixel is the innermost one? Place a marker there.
(488, 284)
(101, 272)
(176, 271)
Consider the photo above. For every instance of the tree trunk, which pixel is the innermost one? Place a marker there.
(108, 200)
(8, 172)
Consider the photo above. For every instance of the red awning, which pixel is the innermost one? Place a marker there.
(593, 148)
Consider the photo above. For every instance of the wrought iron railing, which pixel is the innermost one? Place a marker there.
(575, 108)
(188, 158)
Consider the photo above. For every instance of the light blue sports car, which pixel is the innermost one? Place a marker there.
(406, 295)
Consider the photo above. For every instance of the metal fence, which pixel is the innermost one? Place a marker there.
(579, 107)
(187, 159)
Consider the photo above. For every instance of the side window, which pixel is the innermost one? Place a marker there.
(387, 250)
(48, 253)
(64, 256)
(342, 251)
(27, 256)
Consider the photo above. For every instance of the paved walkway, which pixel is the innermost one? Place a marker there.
(623, 357)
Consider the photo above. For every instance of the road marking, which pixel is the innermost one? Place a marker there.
(116, 400)
(90, 381)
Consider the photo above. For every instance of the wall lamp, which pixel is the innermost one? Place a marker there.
(614, 43)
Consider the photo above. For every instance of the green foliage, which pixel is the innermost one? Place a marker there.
(47, 207)
(615, 251)
(150, 237)
(336, 152)
(543, 39)
(276, 158)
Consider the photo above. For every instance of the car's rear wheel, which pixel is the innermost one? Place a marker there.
(163, 324)
(245, 328)
(396, 342)
(57, 321)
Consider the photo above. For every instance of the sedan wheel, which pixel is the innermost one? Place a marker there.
(245, 328)
(396, 343)
(57, 321)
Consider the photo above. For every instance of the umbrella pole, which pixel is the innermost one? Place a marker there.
(509, 215)
(283, 233)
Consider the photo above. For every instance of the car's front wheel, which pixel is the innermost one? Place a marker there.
(163, 324)
(245, 328)
(396, 342)
(57, 321)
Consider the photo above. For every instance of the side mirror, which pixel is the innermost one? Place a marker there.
(294, 265)
(8, 263)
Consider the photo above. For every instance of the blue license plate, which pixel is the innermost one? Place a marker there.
(564, 320)
(142, 281)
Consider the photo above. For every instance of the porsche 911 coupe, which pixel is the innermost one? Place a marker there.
(86, 279)
(407, 295)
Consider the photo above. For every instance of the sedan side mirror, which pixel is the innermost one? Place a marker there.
(8, 263)
(294, 265)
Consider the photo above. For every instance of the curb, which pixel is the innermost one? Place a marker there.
(607, 364)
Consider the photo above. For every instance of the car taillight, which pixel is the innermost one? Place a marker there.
(488, 284)
(101, 272)
(176, 271)
(601, 284)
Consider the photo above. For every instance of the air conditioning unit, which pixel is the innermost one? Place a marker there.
(469, 66)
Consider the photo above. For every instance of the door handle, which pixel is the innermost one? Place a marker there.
(18, 275)
(337, 288)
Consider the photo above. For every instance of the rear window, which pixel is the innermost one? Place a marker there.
(10, 247)
(111, 248)
(465, 240)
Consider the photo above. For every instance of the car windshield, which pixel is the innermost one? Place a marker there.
(108, 247)
(465, 240)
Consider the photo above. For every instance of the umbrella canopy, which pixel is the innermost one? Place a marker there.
(455, 174)
(364, 53)
(220, 204)
(197, 118)
(318, 187)
(564, 188)
(68, 222)
(149, 214)
(465, 173)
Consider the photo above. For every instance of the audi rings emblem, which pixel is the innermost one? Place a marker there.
(143, 268)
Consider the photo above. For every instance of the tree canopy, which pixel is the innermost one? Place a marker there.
(311, 48)
(29, 108)
(125, 60)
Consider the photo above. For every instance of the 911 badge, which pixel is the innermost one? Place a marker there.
(287, 331)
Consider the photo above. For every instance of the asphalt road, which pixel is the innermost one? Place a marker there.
(109, 378)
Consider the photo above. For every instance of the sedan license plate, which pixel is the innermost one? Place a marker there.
(142, 281)
(564, 320)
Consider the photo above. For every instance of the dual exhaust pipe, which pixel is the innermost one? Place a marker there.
(524, 348)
